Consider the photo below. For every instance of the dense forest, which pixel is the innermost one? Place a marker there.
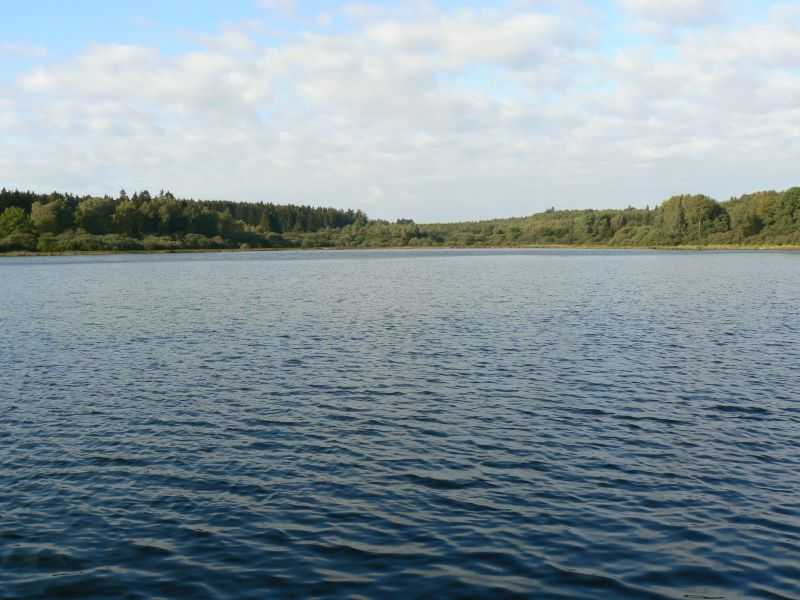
(63, 222)
(56, 222)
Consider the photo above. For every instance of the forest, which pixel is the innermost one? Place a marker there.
(52, 223)
(56, 223)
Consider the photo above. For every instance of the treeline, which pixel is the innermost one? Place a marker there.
(767, 218)
(62, 222)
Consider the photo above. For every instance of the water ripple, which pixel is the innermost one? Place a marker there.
(385, 424)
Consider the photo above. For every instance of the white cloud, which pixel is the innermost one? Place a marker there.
(231, 39)
(475, 38)
(676, 12)
(459, 114)
(662, 20)
(204, 81)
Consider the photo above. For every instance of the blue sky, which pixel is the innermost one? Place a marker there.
(66, 28)
(433, 110)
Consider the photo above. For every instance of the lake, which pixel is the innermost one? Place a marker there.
(485, 423)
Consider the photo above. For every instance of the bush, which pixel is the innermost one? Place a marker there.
(18, 242)
(152, 242)
(113, 241)
(197, 241)
(46, 243)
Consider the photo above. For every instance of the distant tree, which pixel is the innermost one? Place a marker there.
(95, 215)
(228, 227)
(751, 224)
(673, 216)
(14, 220)
(264, 222)
(127, 218)
(204, 222)
(703, 215)
(51, 217)
(172, 218)
(784, 214)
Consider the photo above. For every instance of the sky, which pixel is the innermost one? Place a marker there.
(423, 109)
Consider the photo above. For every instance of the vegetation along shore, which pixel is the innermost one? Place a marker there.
(61, 223)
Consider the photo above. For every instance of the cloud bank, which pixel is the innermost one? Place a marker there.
(425, 112)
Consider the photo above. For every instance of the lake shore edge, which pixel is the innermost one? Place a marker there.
(680, 248)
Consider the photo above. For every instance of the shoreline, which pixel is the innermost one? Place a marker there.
(685, 248)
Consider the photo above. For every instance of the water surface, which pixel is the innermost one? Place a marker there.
(575, 424)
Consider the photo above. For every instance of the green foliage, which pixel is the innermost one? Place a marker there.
(18, 242)
(66, 223)
(127, 219)
(86, 242)
(14, 220)
(784, 214)
(761, 218)
(51, 217)
(95, 215)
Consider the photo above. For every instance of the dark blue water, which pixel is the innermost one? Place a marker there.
(416, 424)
